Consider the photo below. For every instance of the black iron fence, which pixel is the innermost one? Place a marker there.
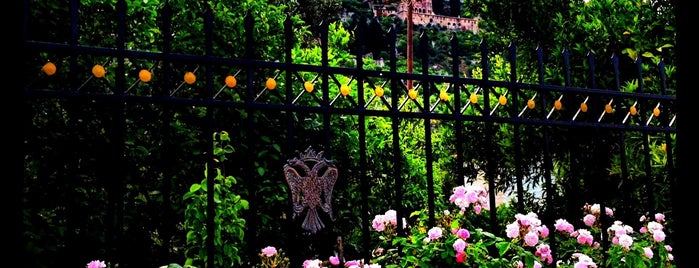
(99, 123)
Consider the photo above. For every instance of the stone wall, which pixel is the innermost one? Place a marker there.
(424, 15)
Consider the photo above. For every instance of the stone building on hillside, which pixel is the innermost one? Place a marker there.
(422, 14)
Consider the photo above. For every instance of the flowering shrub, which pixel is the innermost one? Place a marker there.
(333, 261)
(444, 245)
(629, 248)
(97, 264)
(103, 264)
(271, 257)
(454, 242)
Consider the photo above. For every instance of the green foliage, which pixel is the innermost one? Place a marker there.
(524, 244)
(317, 12)
(63, 165)
(629, 245)
(229, 224)
(175, 265)
(338, 49)
(436, 246)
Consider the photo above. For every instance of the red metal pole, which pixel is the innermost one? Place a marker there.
(410, 43)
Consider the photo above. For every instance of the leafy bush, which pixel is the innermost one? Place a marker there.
(230, 226)
(454, 241)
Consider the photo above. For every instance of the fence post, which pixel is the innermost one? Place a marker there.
(428, 127)
(458, 124)
(516, 125)
(361, 118)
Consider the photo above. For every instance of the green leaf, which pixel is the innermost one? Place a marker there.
(455, 224)
(191, 236)
(503, 247)
(277, 147)
(195, 187)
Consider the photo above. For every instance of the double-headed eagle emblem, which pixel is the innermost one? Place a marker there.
(309, 189)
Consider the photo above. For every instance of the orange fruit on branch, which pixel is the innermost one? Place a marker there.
(308, 86)
(49, 68)
(378, 91)
(473, 98)
(98, 71)
(502, 100)
(444, 96)
(271, 84)
(412, 94)
(558, 105)
(231, 81)
(144, 75)
(344, 90)
(190, 78)
(608, 108)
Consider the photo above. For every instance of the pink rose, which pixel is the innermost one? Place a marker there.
(531, 239)
(334, 260)
(544, 231)
(659, 217)
(459, 245)
(589, 220)
(269, 251)
(96, 264)
(460, 257)
(434, 233)
(463, 233)
(648, 252)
